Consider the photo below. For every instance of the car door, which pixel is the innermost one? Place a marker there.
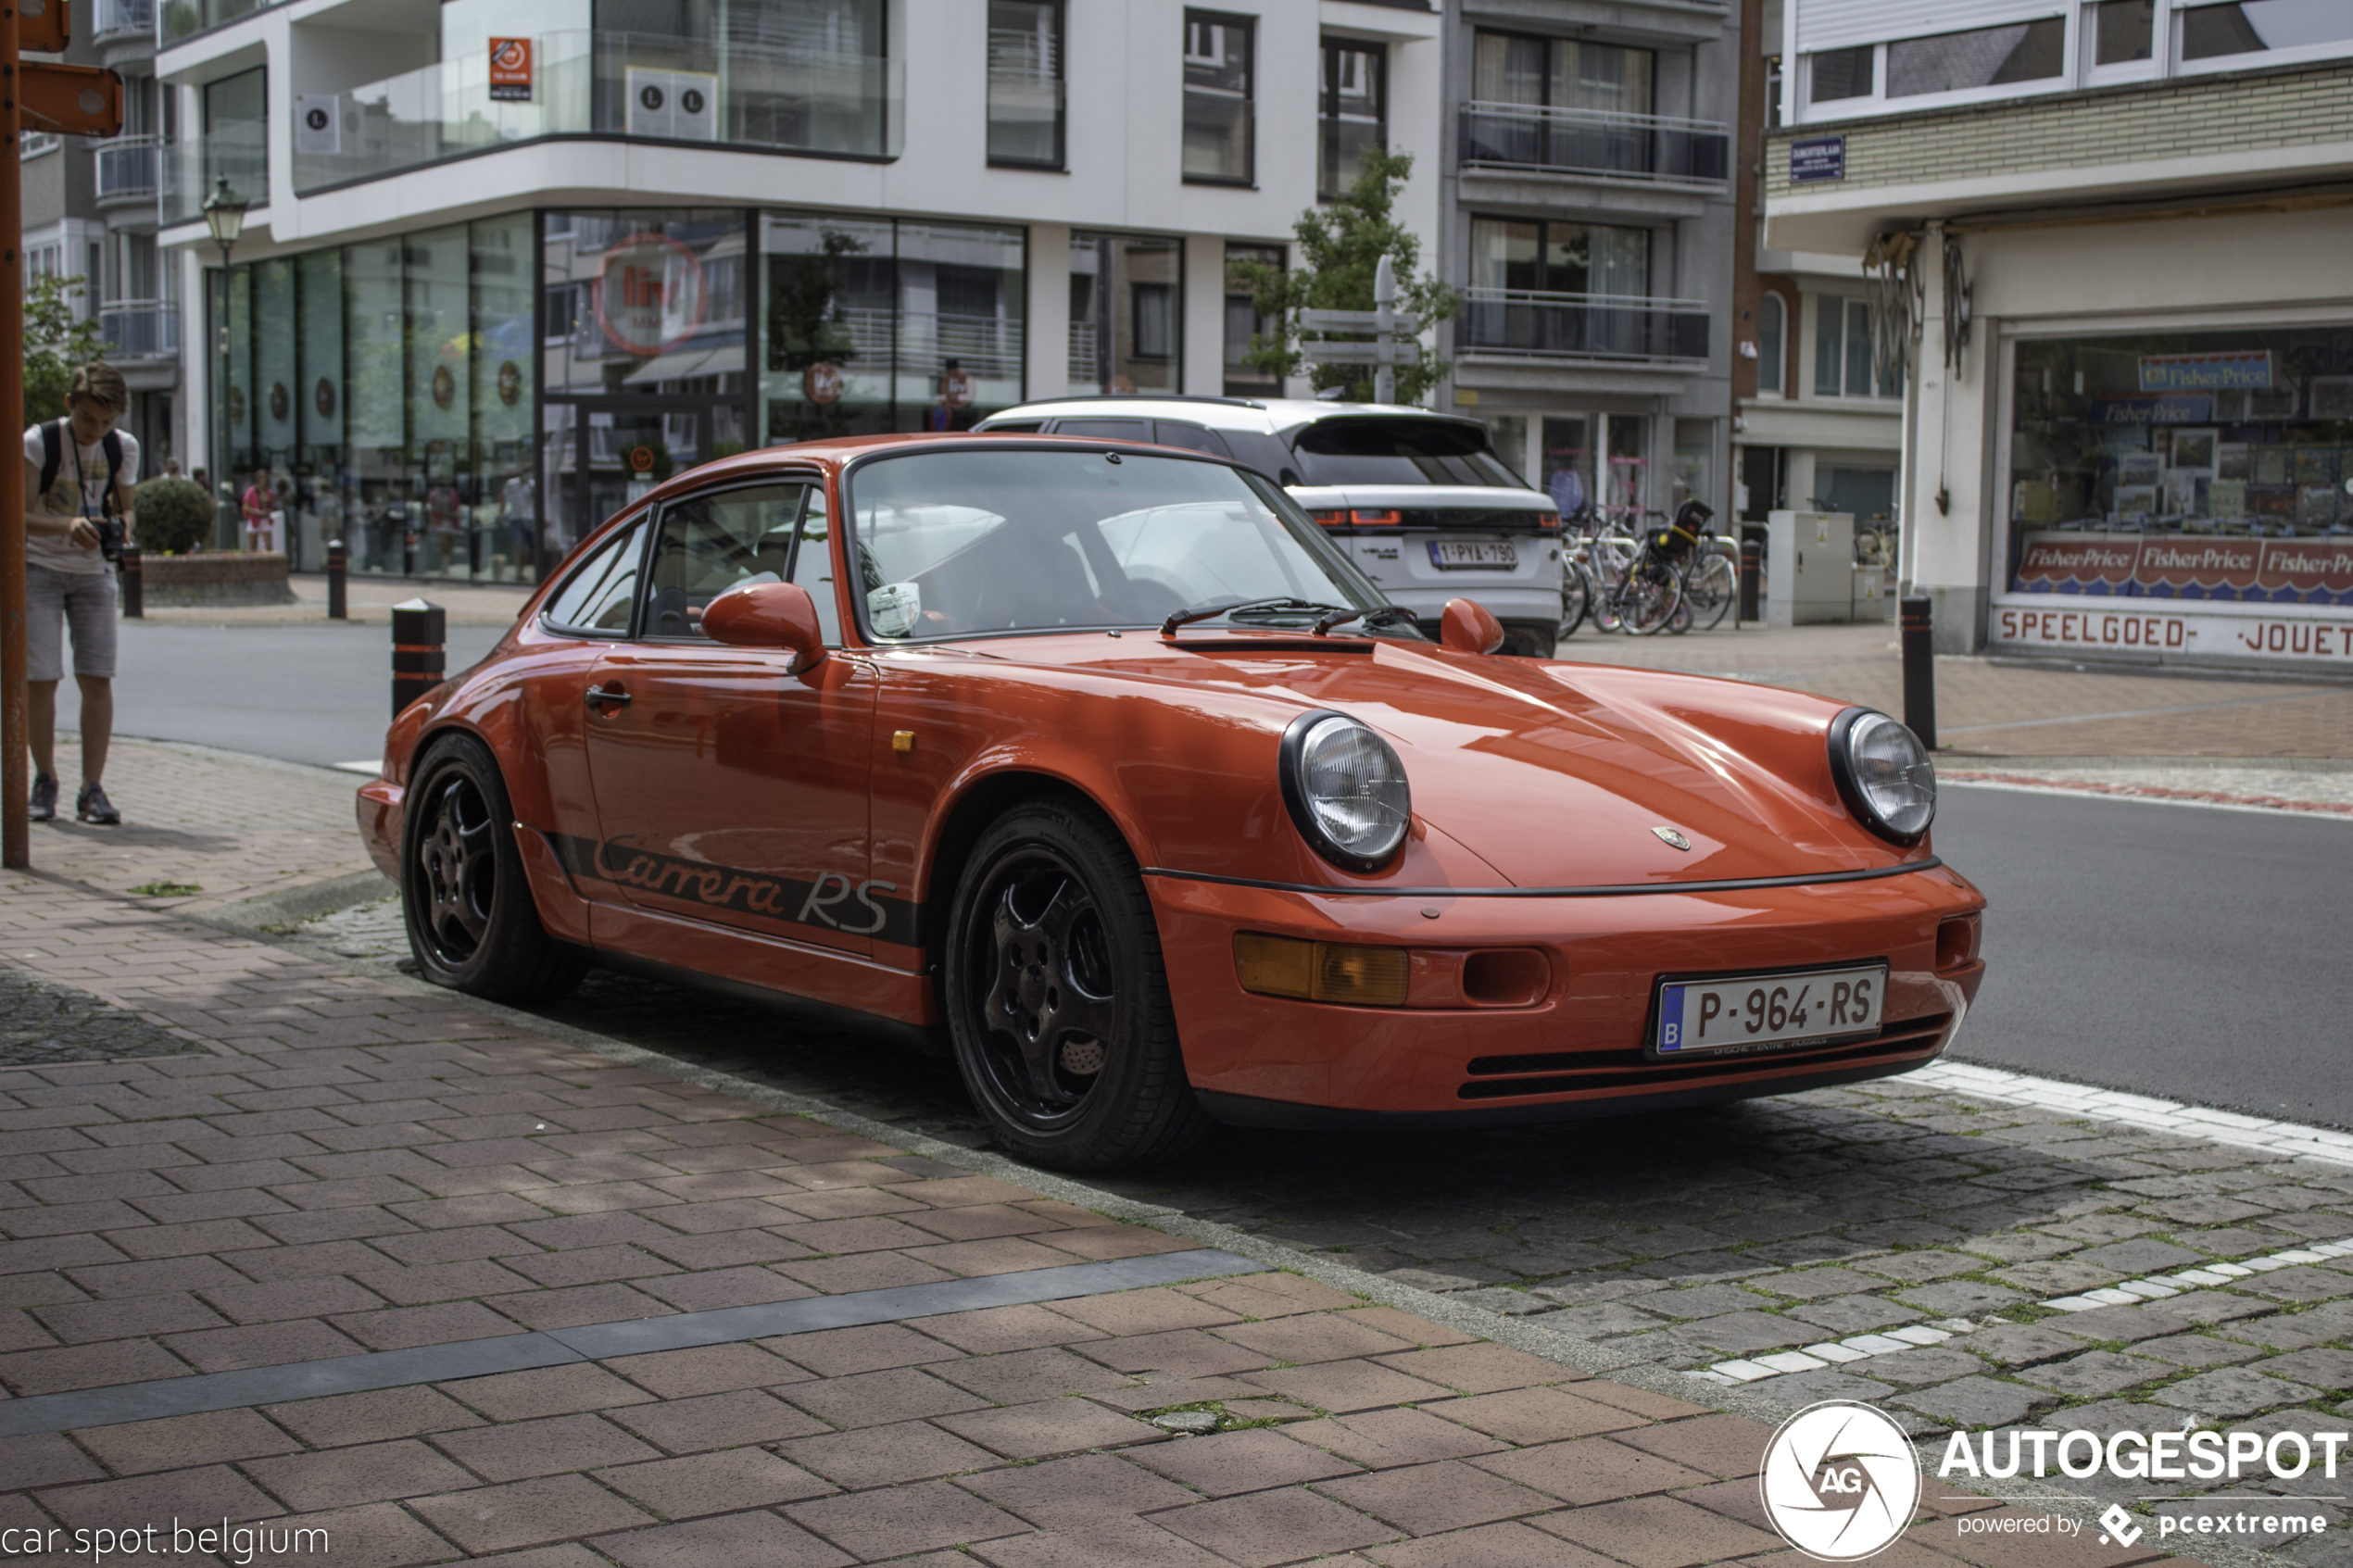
(730, 789)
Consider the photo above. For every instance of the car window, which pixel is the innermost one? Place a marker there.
(1107, 430)
(710, 543)
(597, 596)
(813, 567)
(1399, 451)
(1200, 438)
(1016, 426)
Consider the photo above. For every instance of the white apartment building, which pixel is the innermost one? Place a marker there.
(2116, 235)
(509, 262)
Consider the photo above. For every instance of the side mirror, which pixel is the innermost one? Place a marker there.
(1466, 627)
(768, 615)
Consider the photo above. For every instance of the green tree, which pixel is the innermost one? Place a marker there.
(56, 343)
(1341, 244)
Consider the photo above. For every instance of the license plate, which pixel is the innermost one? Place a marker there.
(1458, 554)
(1768, 1011)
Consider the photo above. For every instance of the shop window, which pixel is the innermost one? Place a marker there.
(1695, 476)
(1843, 360)
(1112, 328)
(655, 303)
(1219, 74)
(1568, 462)
(1772, 326)
(1352, 116)
(506, 499)
(1628, 440)
(2257, 26)
(1836, 74)
(1990, 57)
(1026, 103)
(2123, 447)
(2124, 32)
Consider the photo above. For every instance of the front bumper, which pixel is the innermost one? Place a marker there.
(1580, 1048)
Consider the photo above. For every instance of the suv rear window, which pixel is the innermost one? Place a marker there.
(1379, 451)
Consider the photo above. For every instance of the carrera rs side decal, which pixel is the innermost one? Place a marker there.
(831, 902)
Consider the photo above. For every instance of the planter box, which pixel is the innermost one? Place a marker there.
(228, 579)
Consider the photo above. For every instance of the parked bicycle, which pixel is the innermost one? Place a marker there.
(1624, 579)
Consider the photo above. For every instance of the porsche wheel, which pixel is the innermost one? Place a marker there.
(1057, 1002)
(471, 921)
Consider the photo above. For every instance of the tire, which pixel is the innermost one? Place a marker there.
(1709, 592)
(1654, 597)
(1057, 999)
(464, 898)
(1577, 601)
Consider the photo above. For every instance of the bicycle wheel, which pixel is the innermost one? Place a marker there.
(1653, 596)
(1709, 591)
(1577, 601)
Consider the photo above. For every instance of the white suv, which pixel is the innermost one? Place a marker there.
(1419, 500)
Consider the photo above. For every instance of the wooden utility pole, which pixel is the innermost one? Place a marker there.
(67, 100)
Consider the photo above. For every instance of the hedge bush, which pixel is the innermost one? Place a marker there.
(169, 517)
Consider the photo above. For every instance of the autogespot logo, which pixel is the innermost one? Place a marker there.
(1840, 1481)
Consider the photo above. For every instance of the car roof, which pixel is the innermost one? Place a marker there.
(1268, 414)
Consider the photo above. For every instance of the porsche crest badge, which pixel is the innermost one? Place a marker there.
(1670, 837)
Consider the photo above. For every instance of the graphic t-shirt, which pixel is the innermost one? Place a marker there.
(79, 490)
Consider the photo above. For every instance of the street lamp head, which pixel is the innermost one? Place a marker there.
(224, 213)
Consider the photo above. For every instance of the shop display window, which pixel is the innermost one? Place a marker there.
(2184, 466)
(1126, 313)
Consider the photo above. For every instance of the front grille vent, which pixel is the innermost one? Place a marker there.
(1565, 1072)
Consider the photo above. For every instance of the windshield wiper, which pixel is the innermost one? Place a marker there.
(1378, 612)
(1204, 612)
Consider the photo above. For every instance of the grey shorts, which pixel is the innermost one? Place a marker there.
(82, 600)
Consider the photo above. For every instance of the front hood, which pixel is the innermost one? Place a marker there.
(1554, 773)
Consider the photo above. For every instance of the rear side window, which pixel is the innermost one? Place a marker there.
(1393, 451)
(1018, 427)
(1200, 438)
(597, 596)
(1107, 430)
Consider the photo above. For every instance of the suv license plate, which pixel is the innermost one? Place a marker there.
(1453, 555)
(1713, 1017)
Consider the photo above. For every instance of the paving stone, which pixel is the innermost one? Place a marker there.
(2139, 1256)
(1720, 1445)
(1061, 1494)
(547, 1447)
(2058, 1276)
(1425, 1499)
(753, 1538)
(1229, 1462)
(1380, 1439)
(1534, 1415)
(1854, 1315)
(2106, 1418)
(1260, 1529)
(2195, 1350)
(1052, 1426)
(2022, 1247)
(2127, 1323)
(1975, 1401)
(1602, 1318)
(2232, 1391)
(717, 1420)
(1922, 1266)
(1822, 1383)
(1742, 1333)
(714, 1483)
(2323, 1369)
(1658, 1533)
(1959, 1297)
(1590, 1469)
(370, 1473)
(2095, 1374)
(2298, 1284)
(1913, 1369)
(556, 1508)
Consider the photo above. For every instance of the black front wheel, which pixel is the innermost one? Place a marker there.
(1056, 997)
(471, 923)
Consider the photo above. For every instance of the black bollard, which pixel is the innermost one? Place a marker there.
(338, 567)
(418, 629)
(130, 572)
(1919, 671)
(1752, 579)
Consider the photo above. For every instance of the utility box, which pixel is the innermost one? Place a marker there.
(1809, 577)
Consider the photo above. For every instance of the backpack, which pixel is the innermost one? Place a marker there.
(53, 455)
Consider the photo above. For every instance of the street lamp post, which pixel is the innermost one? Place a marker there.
(224, 214)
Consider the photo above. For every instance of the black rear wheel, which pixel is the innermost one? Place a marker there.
(471, 923)
(1056, 999)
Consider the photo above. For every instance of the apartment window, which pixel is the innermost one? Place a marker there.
(1843, 350)
(2254, 26)
(1772, 328)
(1562, 73)
(1560, 257)
(1219, 79)
(1155, 321)
(1353, 117)
(2125, 31)
(1243, 323)
(1835, 74)
(1025, 83)
(1988, 57)
(1126, 314)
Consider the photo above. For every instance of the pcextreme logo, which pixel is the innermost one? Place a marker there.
(1840, 1481)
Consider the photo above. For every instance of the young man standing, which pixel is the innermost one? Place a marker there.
(78, 474)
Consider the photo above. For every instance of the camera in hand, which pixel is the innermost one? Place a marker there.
(112, 536)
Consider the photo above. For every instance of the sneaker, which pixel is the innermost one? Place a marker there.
(44, 798)
(92, 805)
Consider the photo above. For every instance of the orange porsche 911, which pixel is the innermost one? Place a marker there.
(1097, 766)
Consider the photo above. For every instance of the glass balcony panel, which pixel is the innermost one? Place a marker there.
(776, 98)
(1581, 326)
(239, 150)
(140, 329)
(127, 167)
(110, 17)
(1632, 146)
(183, 19)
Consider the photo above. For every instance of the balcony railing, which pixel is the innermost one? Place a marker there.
(109, 18)
(240, 150)
(140, 329)
(1581, 326)
(182, 17)
(127, 168)
(1627, 146)
(620, 84)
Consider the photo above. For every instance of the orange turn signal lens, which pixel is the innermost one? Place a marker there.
(1347, 973)
(1383, 520)
(1548, 522)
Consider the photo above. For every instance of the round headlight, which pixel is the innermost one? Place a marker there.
(1883, 774)
(1346, 790)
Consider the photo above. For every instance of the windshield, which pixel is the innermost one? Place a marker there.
(1399, 451)
(950, 543)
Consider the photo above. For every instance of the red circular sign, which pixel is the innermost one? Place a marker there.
(641, 459)
(650, 295)
(822, 381)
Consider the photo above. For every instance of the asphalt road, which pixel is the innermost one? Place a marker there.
(301, 694)
(2172, 950)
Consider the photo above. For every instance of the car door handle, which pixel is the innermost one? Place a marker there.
(600, 696)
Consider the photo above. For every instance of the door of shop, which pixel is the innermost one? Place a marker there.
(603, 454)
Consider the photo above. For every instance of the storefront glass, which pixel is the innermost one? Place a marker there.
(645, 303)
(1694, 464)
(2125, 449)
(505, 504)
(377, 490)
(1568, 461)
(319, 384)
(1126, 313)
